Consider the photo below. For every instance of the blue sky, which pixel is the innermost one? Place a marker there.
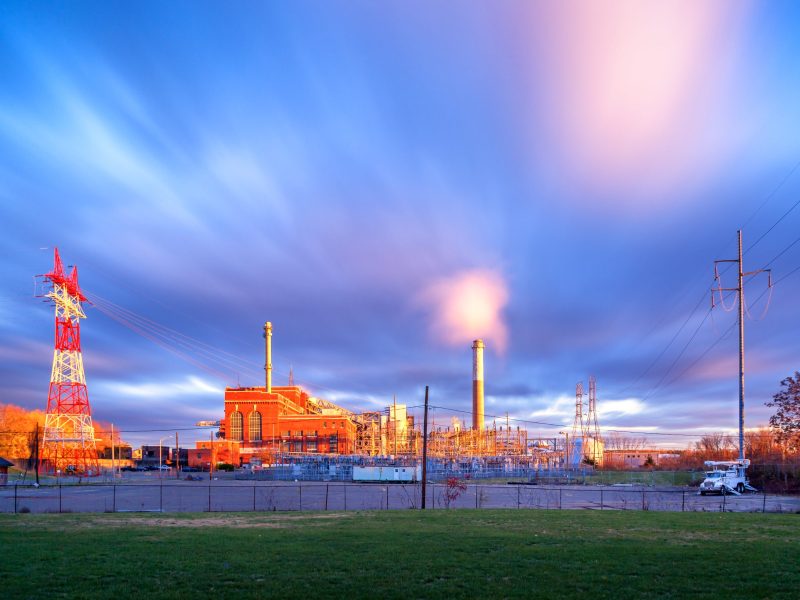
(387, 181)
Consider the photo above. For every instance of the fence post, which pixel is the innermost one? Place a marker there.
(114, 499)
(601, 499)
(161, 495)
(254, 496)
(642, 499)
(387, 496)
(209, 497)
(518, 492)
(15, 500)
(723, 499)
(683, 500)
(764, 506)
(59, 498)
(476, 496)
(326, 496)
(559, 498)
(300, 496)
(344, 485)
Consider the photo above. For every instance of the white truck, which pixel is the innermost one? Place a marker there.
(726, 477)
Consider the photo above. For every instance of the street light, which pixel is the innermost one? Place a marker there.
(159, 453)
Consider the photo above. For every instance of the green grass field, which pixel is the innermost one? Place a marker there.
(410, 554)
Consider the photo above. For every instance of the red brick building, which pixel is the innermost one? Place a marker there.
(285, 420)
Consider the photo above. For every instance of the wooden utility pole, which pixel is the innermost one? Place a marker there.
(113, 467)
(177, 458)
(425, 449)
(739, 289)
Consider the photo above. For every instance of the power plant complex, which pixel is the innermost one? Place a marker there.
(262, 424)
(271, 425)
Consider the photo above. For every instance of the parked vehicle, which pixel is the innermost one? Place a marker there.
(726, 477)
(163, 468)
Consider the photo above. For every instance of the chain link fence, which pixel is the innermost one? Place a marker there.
(240, 496)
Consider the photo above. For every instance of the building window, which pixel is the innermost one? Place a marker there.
(254, 426)
(237, 426)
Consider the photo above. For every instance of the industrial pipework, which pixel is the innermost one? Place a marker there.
(477, 385)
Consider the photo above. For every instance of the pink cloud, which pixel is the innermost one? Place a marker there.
(635, 92)
(466, 306)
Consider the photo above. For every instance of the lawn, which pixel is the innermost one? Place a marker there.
(408, 554)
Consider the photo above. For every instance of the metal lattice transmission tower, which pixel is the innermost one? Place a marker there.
(595, 453)
(68, 443)
(578, 425)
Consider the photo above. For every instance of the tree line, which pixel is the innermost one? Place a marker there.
(18, 427)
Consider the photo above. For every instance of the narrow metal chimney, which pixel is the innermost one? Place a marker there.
(268, 363)
(477, 385)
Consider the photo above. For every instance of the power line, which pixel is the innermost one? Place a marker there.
(774, 191)
(781, 253)
(775, 224)
(726, 332)
(677, 358)
(674, 337)
(562, 425)
(768, 197)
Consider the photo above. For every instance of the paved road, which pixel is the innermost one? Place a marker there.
(170, 495)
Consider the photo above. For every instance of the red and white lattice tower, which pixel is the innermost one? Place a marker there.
(68, 443)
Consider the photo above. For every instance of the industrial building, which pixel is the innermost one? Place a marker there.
(266, 421)
(274, 424)
(286, 419)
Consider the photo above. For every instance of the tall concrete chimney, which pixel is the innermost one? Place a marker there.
(477, 385)
(268, 363)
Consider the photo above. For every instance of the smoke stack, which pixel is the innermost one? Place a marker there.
(268, 363)
(477, 385)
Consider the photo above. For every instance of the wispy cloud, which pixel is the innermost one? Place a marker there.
(609, 409)
(161, 390)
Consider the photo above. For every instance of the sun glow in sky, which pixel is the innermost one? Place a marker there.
(386, 182)
(468, 306)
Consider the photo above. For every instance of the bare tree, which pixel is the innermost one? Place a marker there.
(616, 441)
(715, 443)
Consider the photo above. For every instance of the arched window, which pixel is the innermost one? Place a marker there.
(254, 426)
(237, 426)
